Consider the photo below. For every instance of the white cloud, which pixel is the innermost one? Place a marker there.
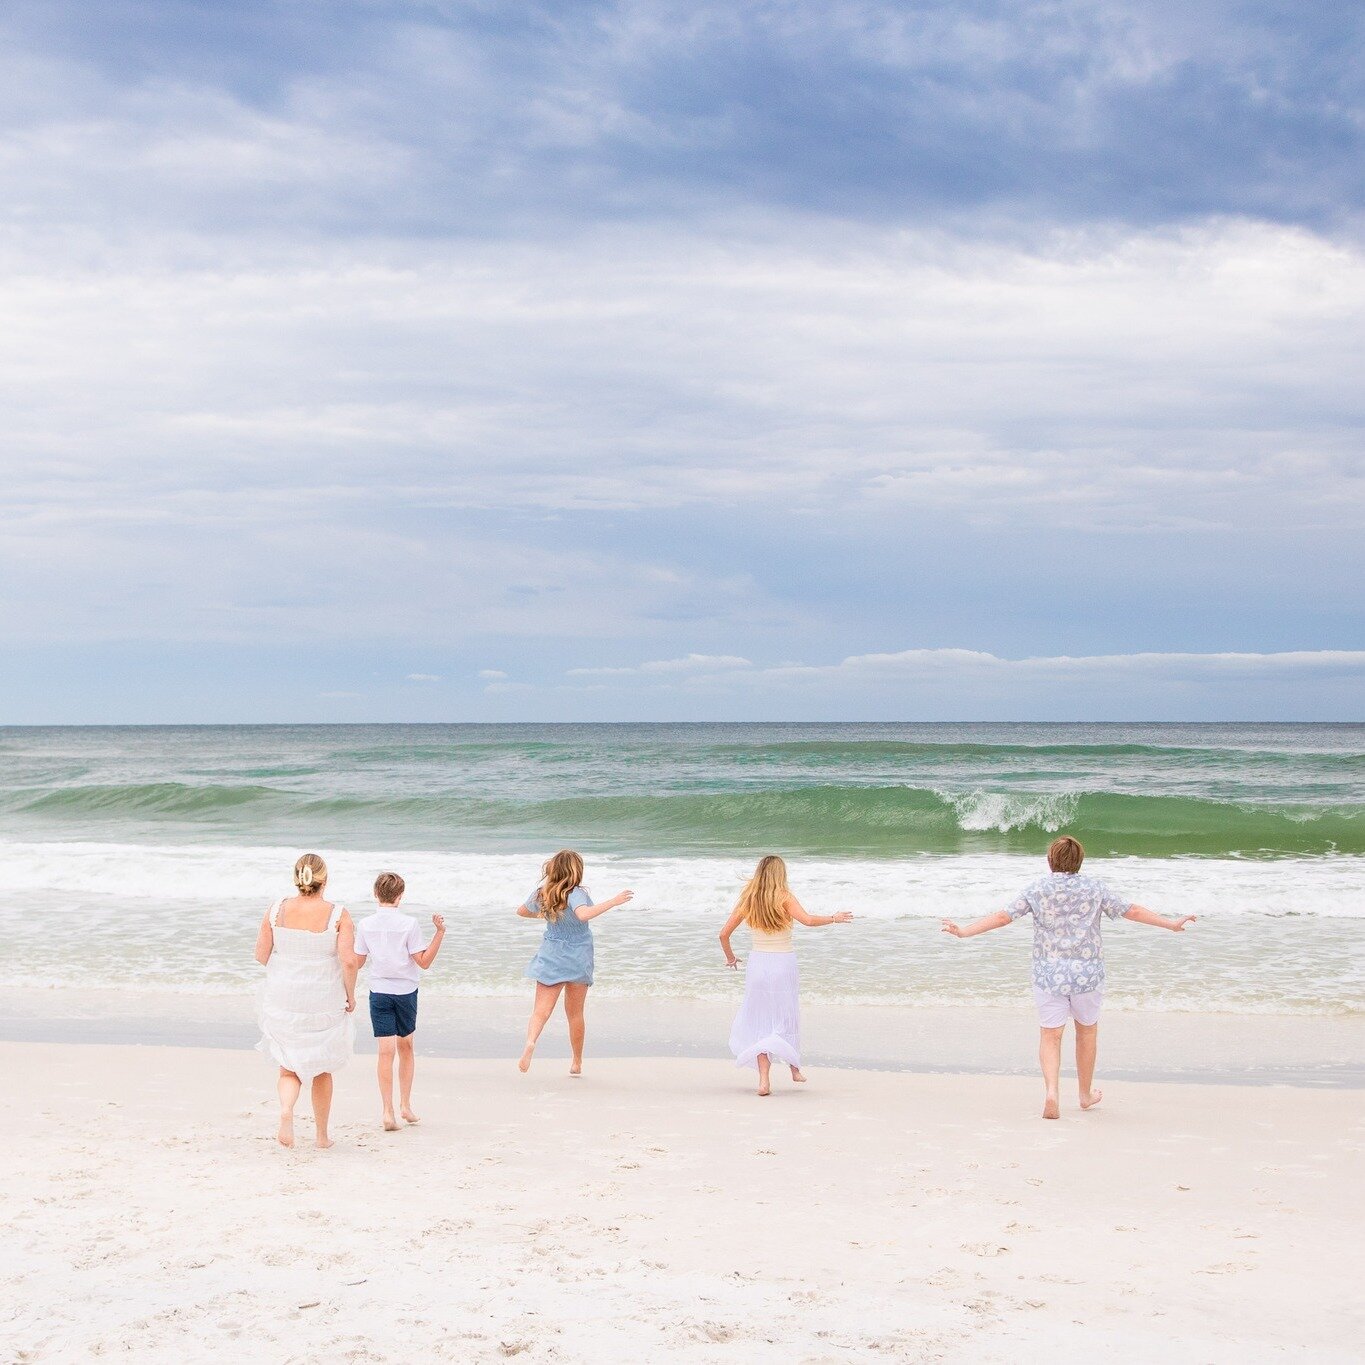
(491, 674)
(423, 677)
(690, 663)
(976, 684)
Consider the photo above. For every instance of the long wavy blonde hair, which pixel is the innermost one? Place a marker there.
(763, 902)
(561, 874)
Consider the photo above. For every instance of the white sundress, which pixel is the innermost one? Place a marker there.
(304, 1023)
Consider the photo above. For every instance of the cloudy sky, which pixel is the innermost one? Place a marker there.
(490, 360)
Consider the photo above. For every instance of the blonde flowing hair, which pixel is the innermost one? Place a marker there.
(310, 874)
(763, 902)
(562, 874)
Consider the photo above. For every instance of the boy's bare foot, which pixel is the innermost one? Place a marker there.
(797, 1074)
(1051, 1109)
(323, 1142)
(525, 1063)
(286, 1133)
(1092, 1099)
(576, 1069)
(390, 1123)
(408, 1115)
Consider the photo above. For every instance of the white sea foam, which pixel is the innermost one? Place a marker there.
(1002, 812)
(952, 885)
(1277, 937)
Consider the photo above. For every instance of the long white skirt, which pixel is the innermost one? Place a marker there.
(769, 1019)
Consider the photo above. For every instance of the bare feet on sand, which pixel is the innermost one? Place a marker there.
(408, 1115)
(324, 1142)
(1092, 1099)
(1051, 1109)
(525, 1063)
(390, 1123)
(765, 1089)
(797, 1074)
(576, 1068)
(286, 1133)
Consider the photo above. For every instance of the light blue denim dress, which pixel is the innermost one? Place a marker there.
(566, 950)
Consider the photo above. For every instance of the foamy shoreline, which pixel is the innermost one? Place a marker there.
(1261, 1049)
(650, 1209)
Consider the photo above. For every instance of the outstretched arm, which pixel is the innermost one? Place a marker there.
(265, 941)
(1140, 914)
(801, 915)
(731, 924)
(587, 912)
(527, 914)
(979, 926)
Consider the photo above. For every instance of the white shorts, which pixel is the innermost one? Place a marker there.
(1055, 1010)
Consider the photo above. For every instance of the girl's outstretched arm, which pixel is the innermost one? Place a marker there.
(731, 924)
(587, 912)
(527, 914)
(1140, 914)
(801, 915)
(981, 926)
(265, 941)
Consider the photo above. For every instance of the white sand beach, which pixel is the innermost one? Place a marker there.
(655, 1209)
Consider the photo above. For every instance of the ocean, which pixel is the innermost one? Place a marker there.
(143, 857)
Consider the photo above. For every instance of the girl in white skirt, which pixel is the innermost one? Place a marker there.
(768, 1024)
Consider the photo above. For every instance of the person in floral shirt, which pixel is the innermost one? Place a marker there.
(1068, 958)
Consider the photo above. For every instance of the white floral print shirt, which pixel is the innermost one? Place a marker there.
(1066, 908)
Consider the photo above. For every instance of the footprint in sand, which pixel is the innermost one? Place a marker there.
(984, 1248)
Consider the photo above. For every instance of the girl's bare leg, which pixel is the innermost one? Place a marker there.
(407, 1065)
(547, 997)
(1050, 1059)
(386, 1047)
(289, 1086)
(575, 997)
(322, 1106)
(763, 1067)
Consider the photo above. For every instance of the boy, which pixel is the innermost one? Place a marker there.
(395, 943)
(1068, 961)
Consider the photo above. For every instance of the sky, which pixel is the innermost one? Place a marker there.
(368, 361)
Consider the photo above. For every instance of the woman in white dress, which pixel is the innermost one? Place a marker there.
(768, 1024)
(307, 947)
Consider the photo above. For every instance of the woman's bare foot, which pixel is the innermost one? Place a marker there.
(390, 1123)
(525, 1064)
(1092, 1099)
(408, 1115)
(323, 1142)
(798, 1075)
(764, 1090)
(286, 1133)
(1051, 1109)
(576, 1068)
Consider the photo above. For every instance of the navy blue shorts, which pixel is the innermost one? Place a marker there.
(392, 1015)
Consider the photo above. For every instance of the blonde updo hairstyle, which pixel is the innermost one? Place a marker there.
(562, 873)
(310, 875)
